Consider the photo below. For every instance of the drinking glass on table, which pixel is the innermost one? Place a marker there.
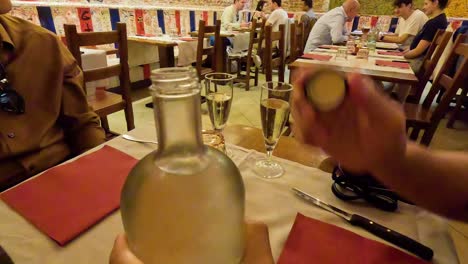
(219, 92)
(342, 53)
(274, 110)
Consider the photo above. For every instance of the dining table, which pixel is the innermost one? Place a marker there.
(352, 63)
(238, 38)
(269, 201)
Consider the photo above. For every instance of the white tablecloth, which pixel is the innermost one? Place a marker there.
(93, 59)
(270, 201)
(353, 62)
(185, 51)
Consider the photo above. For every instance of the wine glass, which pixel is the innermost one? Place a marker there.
(219, 93)
(274, 109)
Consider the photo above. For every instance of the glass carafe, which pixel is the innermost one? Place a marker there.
(184, 202)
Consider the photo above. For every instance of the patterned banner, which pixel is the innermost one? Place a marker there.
(140, 25)
(86, 22)
(150, 18)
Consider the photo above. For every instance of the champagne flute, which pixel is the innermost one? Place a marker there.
(274, 109)
(219, 93)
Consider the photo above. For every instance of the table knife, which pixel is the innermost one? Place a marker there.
(383, 232)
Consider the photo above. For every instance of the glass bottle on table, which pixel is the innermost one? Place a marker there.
(274, 110)
(184, 202)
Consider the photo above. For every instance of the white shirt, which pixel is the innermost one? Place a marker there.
(330, 28)
(230, 17)
(411, 26)
(278, 17)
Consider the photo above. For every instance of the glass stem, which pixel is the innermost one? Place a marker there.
(269, 152)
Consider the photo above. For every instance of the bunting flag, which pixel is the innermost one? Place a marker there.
(185, 26)
(101, 19)
(28, 13)
(193, 21)
(45, 18)
(65, 15)
(161, 21)
(86, 22)
(384, 23)
(393, 24)
(355, 23)
(127, 15)
(177, 22)
(215, 17)
(205, 17)
(373, 21)
(150, 18)
(139, 23)
(115, 17)
(170, 22)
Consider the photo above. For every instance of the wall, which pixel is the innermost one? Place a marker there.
(456, 8)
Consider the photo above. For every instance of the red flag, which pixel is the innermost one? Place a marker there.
(86, 22)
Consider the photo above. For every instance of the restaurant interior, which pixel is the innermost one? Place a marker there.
(234, 84)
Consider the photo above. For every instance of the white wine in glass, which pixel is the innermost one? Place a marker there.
(219, 106)
(219, 93)
(274, 110)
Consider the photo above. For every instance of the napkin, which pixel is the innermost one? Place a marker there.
(4, 258)
(313, 241)
(188, 39)
(66, 200)
(390, 53)
(319, 57)
(394, 64)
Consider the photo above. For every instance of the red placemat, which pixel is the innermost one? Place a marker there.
(390, 53)
(318, 57)
(394, 64)
(67, 200)
(313, 241)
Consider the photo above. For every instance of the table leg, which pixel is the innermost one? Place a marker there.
(166, 59)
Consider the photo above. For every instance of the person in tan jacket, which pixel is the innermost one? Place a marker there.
(44, 115)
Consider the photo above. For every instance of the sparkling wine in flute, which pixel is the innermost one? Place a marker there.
(219, 106)
(275, 113)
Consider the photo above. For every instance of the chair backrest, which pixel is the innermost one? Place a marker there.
(307, 28)
(430, 61)
(76, 40)
(448, 81)
(204, 32)
(257, 31)
(297, 40)
(271, 38)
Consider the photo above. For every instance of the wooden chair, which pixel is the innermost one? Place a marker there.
(297, 40)
(462, 98)
(212, 52)
(307, 28)
(278, 62)
(422, 117)
(429, 63)
(256, 36)
(109, 102)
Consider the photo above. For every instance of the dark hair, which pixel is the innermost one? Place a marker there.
(398, 3)
(442, 3)
(260, 5)
(278, 2)
(309, 3)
